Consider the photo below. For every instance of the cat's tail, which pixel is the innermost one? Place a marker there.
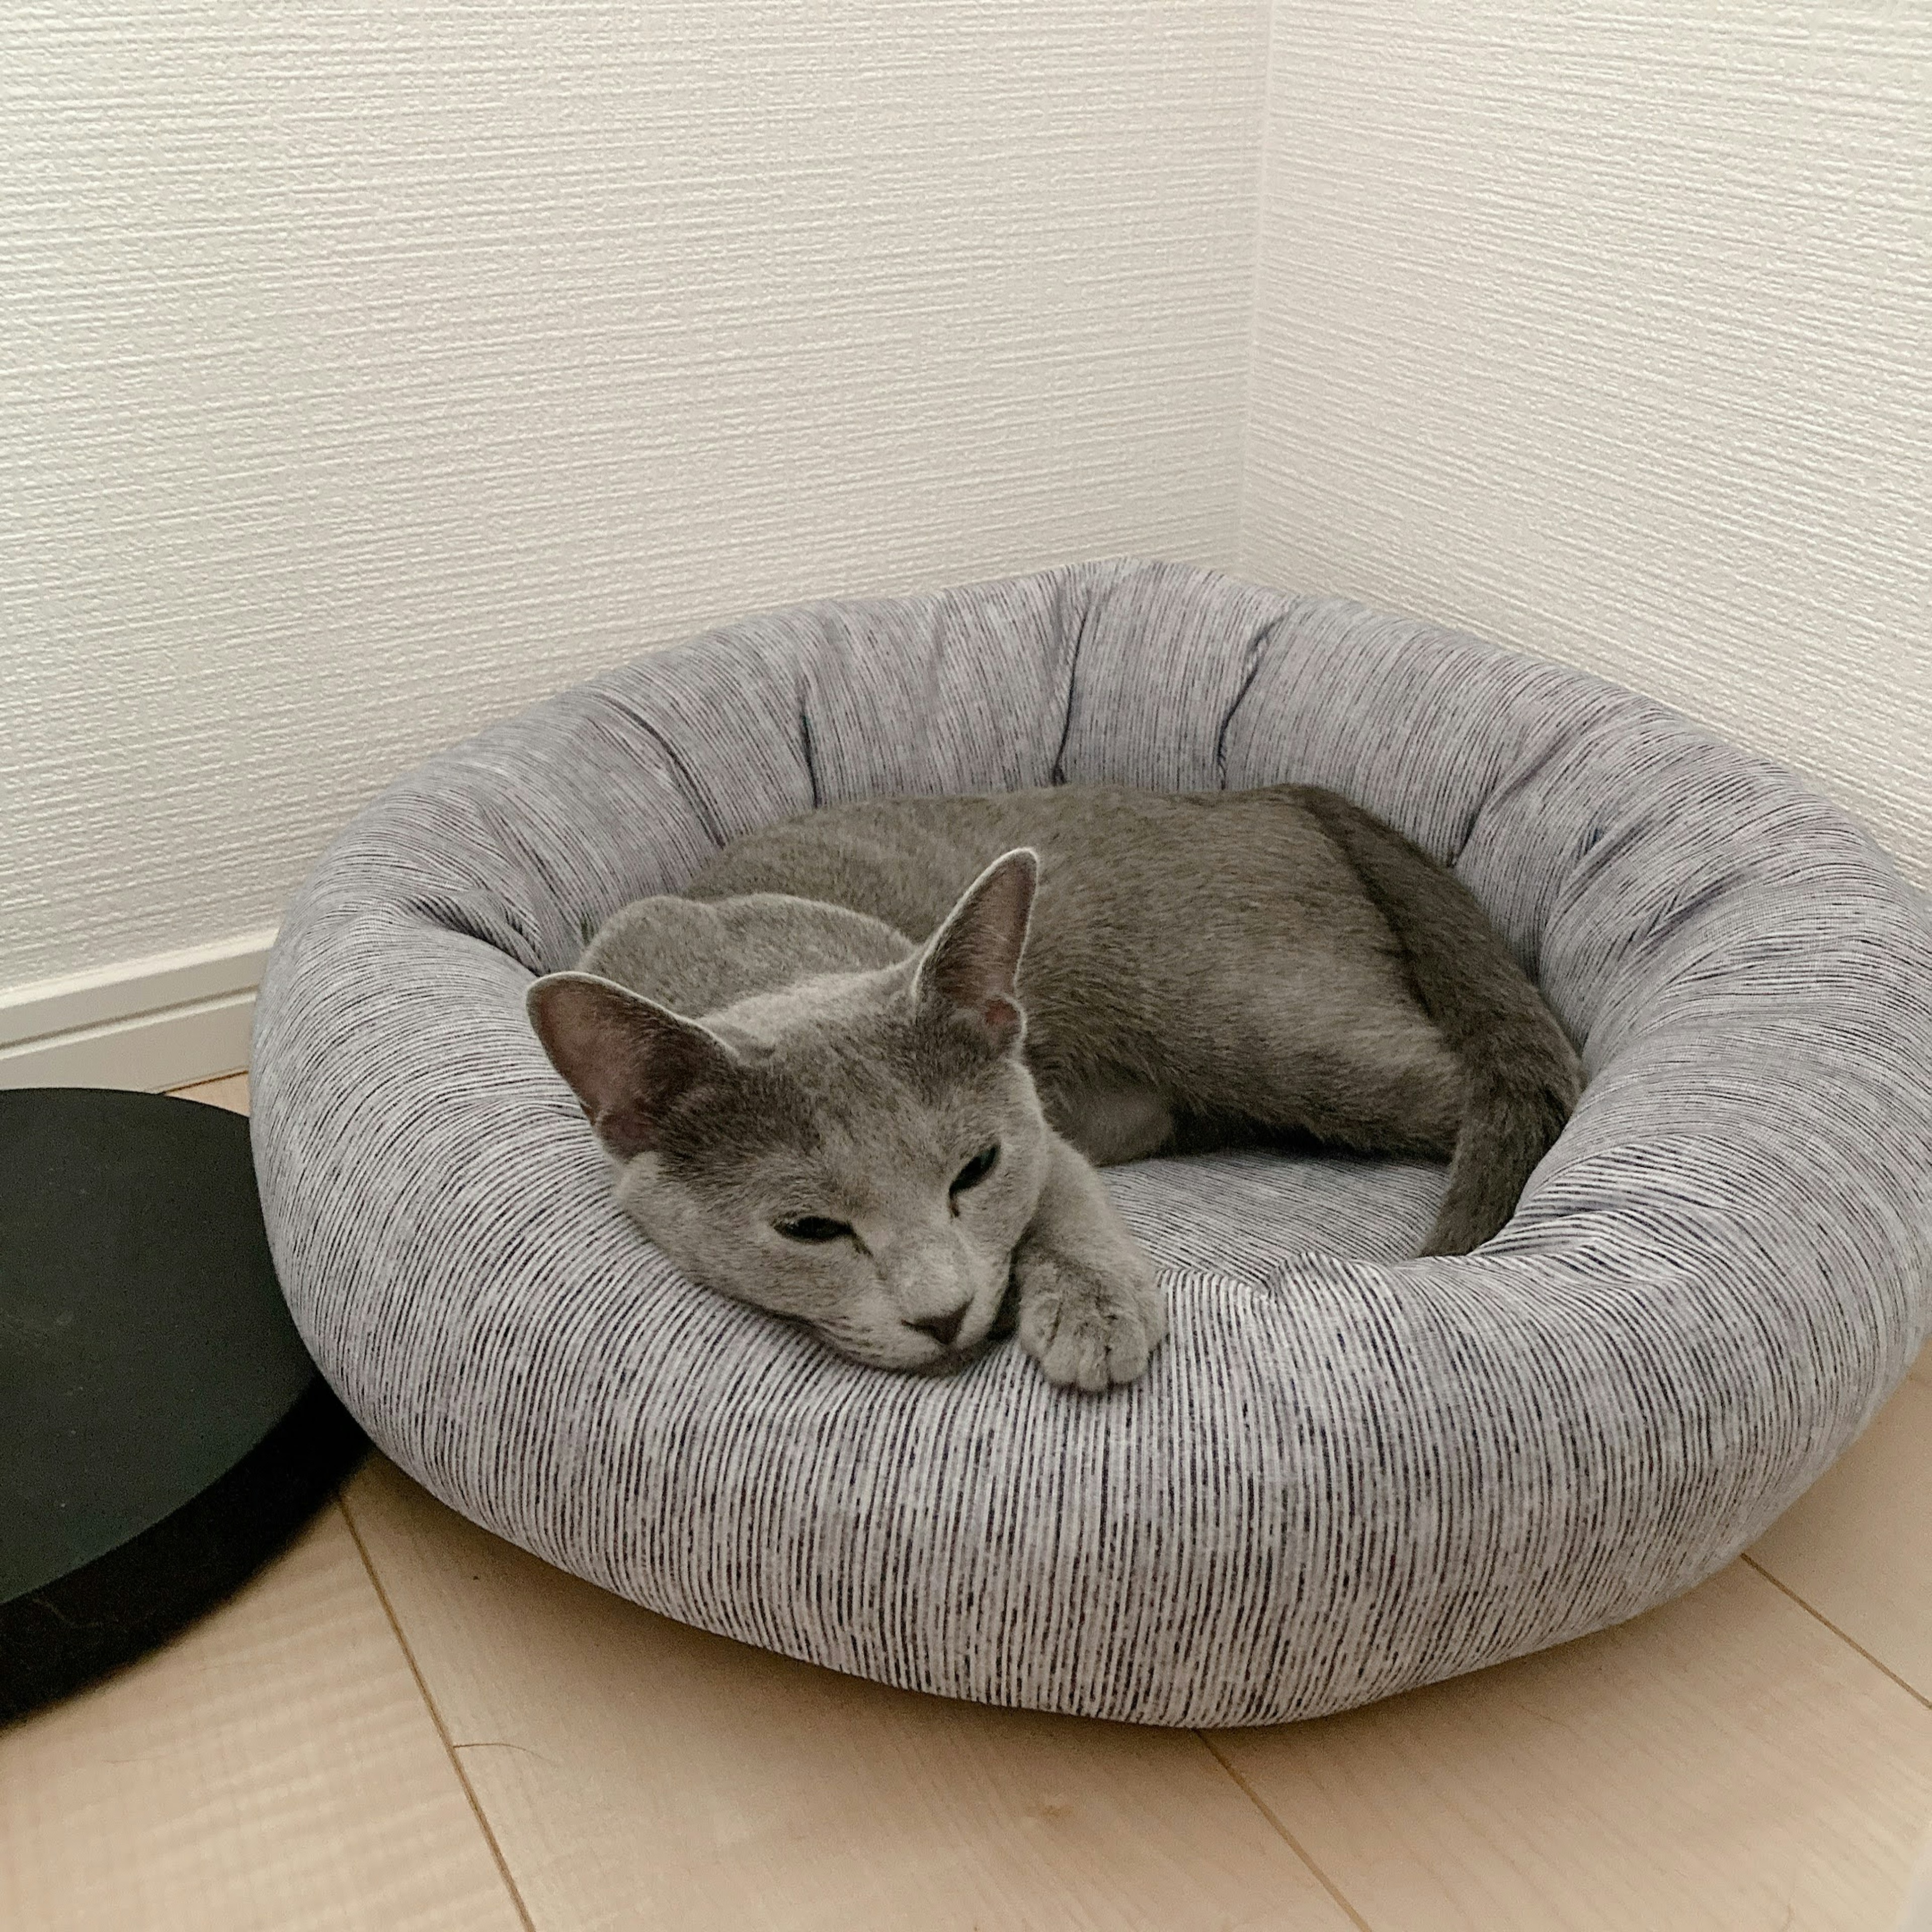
(1524, 1074)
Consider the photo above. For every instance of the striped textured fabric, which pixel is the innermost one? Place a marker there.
(1349, 1471)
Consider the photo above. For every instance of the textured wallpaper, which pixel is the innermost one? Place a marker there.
(1607, 332)
(366, 371)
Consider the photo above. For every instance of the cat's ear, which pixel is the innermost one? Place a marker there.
(626, 1058)
(971, 964)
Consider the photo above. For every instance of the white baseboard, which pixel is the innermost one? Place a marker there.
(164, 1021)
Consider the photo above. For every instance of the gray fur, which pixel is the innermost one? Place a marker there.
(1202, 968)
(1522, 1074)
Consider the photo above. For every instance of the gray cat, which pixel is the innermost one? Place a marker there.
(896, 1144)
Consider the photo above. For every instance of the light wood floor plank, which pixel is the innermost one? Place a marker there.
(230, 1091)
(1725, 1764)
(640, 1774)
(1857, 1548)
(1916, 1914)
(274, 1767)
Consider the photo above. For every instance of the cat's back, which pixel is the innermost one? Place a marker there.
(1155, 910)
(1113, 854)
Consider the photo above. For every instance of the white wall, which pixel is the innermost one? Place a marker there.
(366, 370)
(1607, 332)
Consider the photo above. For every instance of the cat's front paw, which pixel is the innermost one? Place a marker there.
(1091, 1325)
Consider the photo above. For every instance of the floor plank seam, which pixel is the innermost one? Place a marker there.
(1294, 1844)
(435, 1718)
(1878, 1664)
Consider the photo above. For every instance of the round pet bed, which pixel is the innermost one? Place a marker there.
(1348, 1471)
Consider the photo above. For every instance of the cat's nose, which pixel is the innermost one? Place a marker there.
(943, 1327)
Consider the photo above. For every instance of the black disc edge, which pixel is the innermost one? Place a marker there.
(58, 1638)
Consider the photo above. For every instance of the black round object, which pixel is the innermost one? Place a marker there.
(163, 1430)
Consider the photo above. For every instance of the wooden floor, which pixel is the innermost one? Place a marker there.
(405, 1723)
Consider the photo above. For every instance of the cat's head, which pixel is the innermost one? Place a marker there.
(860, 1152)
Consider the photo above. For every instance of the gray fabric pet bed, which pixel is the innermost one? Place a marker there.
(1348, 1472)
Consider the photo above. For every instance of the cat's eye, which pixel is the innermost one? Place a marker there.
(812, 1227)
(975, 1170)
